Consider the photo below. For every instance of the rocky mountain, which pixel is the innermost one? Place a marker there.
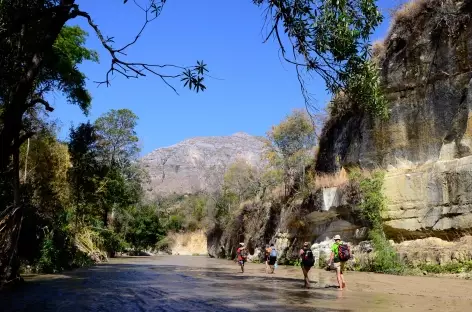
(198, 164)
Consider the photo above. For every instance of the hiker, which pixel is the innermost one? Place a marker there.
(307, 262)
(340, 253)
(266, 257)
(242, 256)
(272, 258)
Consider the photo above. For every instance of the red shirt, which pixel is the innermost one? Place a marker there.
(238, 252)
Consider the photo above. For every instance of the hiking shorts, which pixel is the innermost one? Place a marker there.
(339, 266)
(272, 260)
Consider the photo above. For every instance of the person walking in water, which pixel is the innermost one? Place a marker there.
(266, 257)
(340, 253)
(272, 259)
(242, 256)
(307, 262)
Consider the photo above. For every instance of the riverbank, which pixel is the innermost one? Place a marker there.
(183, 283)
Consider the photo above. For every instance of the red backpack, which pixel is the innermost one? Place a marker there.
(343, 252)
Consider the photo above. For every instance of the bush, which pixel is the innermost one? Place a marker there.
(386, 259)
(113, 242)
(372, 204)
(58, 253)
(48, 262)
(447, 268)
(145, 228)
(175, 223)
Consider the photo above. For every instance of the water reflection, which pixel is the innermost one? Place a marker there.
(201, 284)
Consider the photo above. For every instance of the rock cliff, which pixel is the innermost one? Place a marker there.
(425, 145)
(198, 164)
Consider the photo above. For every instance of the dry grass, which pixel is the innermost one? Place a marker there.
(88, 242)
(378, 50)
(412, 9)
(331, 180)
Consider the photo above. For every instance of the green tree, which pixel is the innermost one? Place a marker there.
(241, 179)
(85, 172)
(331, 39)
(117, 139)
(290, 147)
(117, 149)
(30, 37)
(145, 228)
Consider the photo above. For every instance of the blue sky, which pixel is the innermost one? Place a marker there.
(256, 89)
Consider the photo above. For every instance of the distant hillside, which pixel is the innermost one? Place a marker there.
(198, 164)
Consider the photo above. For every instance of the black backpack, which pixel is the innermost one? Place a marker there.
(308, 259)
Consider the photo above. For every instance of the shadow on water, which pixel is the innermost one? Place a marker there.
(146, 287)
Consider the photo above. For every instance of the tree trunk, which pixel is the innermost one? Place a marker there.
(16, 106)
(52, 20)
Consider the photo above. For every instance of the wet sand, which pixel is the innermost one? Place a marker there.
(181, 283)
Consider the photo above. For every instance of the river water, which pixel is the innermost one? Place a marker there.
(181, 283)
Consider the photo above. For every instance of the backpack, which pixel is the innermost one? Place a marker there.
(343, 252)
(243, 253)
(308, 258)
(273, 252)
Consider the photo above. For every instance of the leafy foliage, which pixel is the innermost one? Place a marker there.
(290, 148)
(60, 70)
(330, 38)
(241, 179)
(372, 204)
(116, 137)
(145, 228)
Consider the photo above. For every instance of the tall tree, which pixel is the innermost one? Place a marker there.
(29, 30)
(117, 139)
(84, 174)
(290, 145)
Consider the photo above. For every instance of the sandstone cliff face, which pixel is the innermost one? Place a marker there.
(426, 143)
(426, 70)
(198, 164)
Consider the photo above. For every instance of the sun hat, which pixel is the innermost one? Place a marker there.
(337, 237)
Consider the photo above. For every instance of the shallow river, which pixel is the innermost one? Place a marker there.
(201, 284)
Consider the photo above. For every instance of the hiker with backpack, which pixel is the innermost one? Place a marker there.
(340, 253)
(307, 262)
(272, 258)
(266, 257)
(242, 256)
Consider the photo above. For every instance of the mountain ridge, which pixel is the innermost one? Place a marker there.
(198, 164)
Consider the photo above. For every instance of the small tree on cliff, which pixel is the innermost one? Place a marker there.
(241, 179)
(290, 145)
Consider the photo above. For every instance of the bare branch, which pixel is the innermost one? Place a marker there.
(130, 69)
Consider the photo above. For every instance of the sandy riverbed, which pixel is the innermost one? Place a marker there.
(185, 283)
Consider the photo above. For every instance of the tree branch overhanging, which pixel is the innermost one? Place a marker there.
(192, 76)
(35, 101)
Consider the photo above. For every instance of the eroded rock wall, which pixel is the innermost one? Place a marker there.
(426, 70)
(425, 145)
